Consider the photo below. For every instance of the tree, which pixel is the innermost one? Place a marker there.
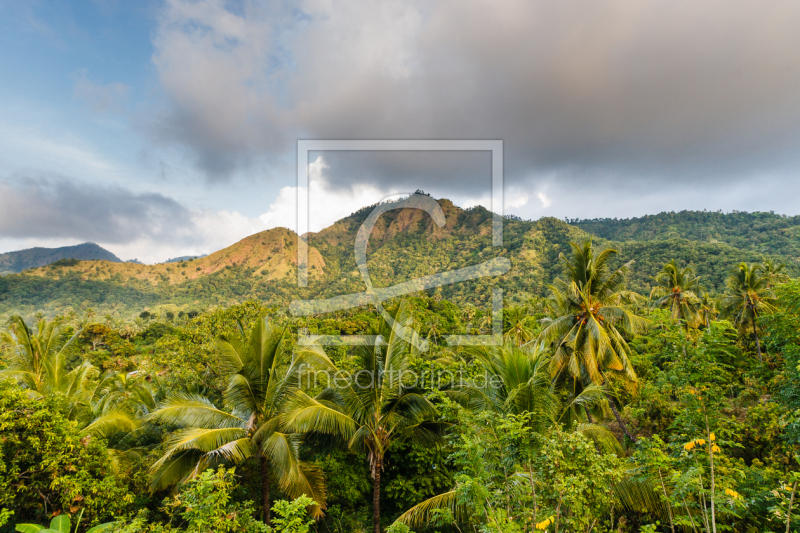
(38, 358)
(775, 272)
(749, 297)
(592, 316)
(48, 466)
(39, 364)
(261, 375)
(377, 406)
(707, 309)
(512, 408)
(517, 381)
(677, 291)
(517, 325)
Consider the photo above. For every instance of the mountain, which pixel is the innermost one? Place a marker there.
(765, 233)
(406, 244)
(12, 262)
(184, 258)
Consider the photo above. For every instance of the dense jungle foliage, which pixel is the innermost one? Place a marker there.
(607, 404)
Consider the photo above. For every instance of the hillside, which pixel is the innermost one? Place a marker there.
(12, 262)
(762, 233)
(405, 244)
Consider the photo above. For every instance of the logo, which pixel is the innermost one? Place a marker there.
(377, 295)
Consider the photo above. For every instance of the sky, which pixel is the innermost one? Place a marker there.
(160, 129)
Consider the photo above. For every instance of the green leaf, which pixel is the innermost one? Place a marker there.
(103, 528)
(60, 524)
(29, 528)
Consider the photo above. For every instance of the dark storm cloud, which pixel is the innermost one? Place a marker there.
(646, 92)
(58, 208)
(410, 170)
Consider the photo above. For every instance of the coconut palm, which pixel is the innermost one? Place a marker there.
(677, 290)
(518, 325)
(118, 404)
(38, 361)
(375, 407)
(707, 309)
(749, 297)
(774, 272)
(592, 315)
(517, 381)
(261, 375)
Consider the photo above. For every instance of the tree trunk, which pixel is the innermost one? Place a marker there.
(376, 496)
(666, 499)
(619, 419)
(758, 344)
(265, 500)
(789, 511)
(588, 415)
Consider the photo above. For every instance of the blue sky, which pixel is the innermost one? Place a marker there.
(160, 129)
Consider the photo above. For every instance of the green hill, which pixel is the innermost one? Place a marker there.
(12, 262)
(406, 244)
(762, 233)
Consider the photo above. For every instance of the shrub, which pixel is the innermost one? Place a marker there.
(48, 467)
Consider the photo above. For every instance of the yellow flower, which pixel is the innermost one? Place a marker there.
(732, 493)
(688, 446)
(715, 449)
(700, 442)
(712, 437)
(544, 524)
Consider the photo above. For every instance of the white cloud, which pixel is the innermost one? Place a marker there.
(327, 205)
(515, 200)
(546, 200)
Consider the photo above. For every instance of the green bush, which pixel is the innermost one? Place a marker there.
(48, 467)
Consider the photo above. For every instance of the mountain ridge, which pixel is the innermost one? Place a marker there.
(405, 244)
(21, 260)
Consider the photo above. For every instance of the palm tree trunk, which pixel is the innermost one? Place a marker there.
(265, 500)
(619, 418)
(758, 344)
(789, 511)
(376, 496)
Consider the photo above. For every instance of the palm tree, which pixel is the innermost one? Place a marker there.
(750, 296)
(707, 309)
(377, 406)
(118, 403)
(261, 375)
(591, 316)
(517, 325)
(774, 272)
(517, 381)
(677, 291)
(38, 361)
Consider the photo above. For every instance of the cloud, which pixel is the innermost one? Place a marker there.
(546, 201)
(51, 211)
(327, 205)
(100, 98)
(651, 93)
(51, 207)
